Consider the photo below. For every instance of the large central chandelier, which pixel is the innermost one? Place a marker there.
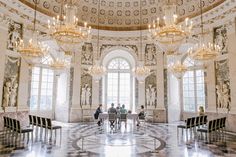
(34, 50)
(97, 70)
(65, 30)
(168, 34)
(178, 69)
(203, 52)
(141, 71)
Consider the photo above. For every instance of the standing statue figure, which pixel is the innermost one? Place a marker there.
(6, 94)
(13, 38)
(83, 96)
(88, 95)
(219, 96)
(148, 96)
(13, 94)
(153, 96)
(225, 96)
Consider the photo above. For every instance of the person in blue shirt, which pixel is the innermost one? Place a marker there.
(123, 110)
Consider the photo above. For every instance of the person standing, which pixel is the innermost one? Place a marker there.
(96, 114)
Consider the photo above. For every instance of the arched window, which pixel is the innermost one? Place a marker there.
(193, 87)
(119, 82)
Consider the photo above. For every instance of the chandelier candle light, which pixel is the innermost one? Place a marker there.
(141, 71)
(168, 34)
(97, 71)
(203, 52)
(33, 51)
(178, 69)
(64, 28)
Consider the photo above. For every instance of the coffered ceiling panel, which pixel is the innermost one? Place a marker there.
(123, 14)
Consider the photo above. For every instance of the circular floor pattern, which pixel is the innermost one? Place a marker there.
(128, 143)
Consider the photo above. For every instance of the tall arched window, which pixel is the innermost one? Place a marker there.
(193, 87)
(119, 82)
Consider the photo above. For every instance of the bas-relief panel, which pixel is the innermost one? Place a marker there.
(223, 99)
(151, 91)
(87, 54)
(71, 85)
(11, 82)
(108, 46)
(15, 33)
(220, 38)
(150, 55)
(86, 89)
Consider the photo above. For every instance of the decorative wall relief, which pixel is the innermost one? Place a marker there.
(108, 46)
(151, 91)
(87, 54)
(71, 85)
(150, 54)
(11, 82)
(165, 89)
(223, 99)
(86, 90)
(220, 38)
(15, 33)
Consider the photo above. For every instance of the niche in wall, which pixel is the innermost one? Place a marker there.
(11, 82)
(151, 91)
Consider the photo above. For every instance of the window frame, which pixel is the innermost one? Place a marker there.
(194, 69)
(39, 96)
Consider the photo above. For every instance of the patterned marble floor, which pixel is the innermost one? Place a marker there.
(159, 140)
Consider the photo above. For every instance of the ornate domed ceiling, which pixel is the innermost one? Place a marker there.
(123, 14)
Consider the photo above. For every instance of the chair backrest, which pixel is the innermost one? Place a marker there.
(34, 120)
(30, 119)
(4, 121)
(188, 122)
(224, 122)
(44, 122)
(123, 117)
(49, 122)
(197, 121)
(18, 125)
(111, 116)
(213, 125)
(205, 119)
(201, 120)
(14, 122)
(218, 123)
(11, 123)
(210, 126)
(193, 119)
(8, 122)
(39, 121)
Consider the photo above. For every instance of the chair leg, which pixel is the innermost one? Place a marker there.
(60, 136)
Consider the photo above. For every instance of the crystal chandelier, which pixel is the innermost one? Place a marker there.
(170, 35)
(178, 69)
(65, 30)
(203, 52)
(141, 71)
(33, 51)
(97, 71)
(59, 65)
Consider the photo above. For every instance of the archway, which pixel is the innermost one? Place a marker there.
(119, 83)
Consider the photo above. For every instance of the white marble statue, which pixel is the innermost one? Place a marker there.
(13, 94)
(83, 96)
(88, 95)
(153, 96)
(148, 96)
(219, 96)
(13, 37)
(225, 96)
(6, 94)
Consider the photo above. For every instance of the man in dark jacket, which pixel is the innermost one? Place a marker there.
(96, 114)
